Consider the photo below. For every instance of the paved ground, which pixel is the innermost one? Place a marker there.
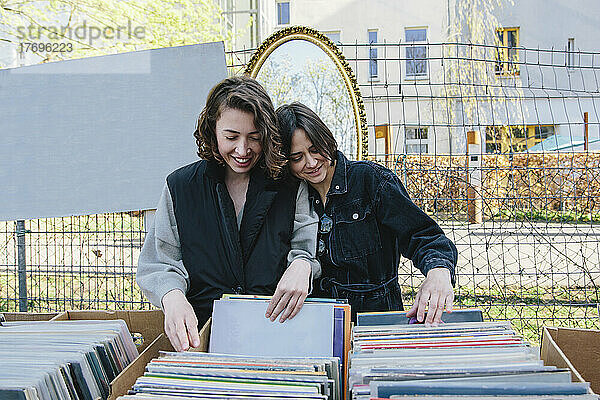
(526, 254)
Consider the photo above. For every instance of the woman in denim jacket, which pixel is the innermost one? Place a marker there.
(366, 221)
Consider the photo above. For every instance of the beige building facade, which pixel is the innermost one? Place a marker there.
(399, 51)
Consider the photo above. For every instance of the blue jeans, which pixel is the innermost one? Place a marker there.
(362, 297)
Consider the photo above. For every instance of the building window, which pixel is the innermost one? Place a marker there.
(507, 56)
(416, 133)
(570, 53)
(373, 70)
(505, 139)
(416, 52)
(334, 37)
(416, 139)
(542, 132)
(514, 139)
(493, 147)
(283, 13)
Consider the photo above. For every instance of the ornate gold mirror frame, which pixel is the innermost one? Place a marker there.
(325, 44)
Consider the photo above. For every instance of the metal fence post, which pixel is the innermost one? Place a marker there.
(22, 265)
(586, 142)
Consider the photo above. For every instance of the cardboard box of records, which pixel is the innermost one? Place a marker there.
(122, 383)
(146, 327)
(576, 349)
(145, 324)
(309, 376)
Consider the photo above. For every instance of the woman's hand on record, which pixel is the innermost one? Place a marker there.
(435, 295)
(291, 291)
(181, 323)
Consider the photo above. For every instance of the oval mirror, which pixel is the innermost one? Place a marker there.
(301, 64)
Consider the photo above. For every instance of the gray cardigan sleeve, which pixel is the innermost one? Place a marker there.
(304, 236)
(160, 266)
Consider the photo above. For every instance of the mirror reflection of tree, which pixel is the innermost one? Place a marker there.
(331, 102)
(277, 78)
(318, 84)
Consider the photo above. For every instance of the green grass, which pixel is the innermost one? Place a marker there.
(546, 216)
(73, 292)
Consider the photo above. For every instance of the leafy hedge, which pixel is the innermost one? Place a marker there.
(536, 186)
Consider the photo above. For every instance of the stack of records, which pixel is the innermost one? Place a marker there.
(62, 359)
(472, 360)
(321, 328)
(223, 376)
(252, 357)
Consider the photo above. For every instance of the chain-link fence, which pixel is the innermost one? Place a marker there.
(499, 144)
(81, 262)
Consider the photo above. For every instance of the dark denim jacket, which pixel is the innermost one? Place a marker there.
(374, 222)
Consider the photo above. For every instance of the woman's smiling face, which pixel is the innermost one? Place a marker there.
(305, 160)
(238, 140)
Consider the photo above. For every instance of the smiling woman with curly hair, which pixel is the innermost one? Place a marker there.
(226, 224)
(244, 94)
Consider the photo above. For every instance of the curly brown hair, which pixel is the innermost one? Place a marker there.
(245, 94)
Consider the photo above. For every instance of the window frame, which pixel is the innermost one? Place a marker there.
(418, 141)
(413, 45)
(508, 67)
(532, 139)
(504, 140)
(570, 54)
(372, 55)
(289, 5)
(334, 32)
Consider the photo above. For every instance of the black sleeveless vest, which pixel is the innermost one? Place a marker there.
(219, 258)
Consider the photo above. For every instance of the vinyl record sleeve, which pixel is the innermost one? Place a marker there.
(240, 327)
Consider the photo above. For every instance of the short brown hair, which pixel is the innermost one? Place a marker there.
(245, 94)
(296, 115)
